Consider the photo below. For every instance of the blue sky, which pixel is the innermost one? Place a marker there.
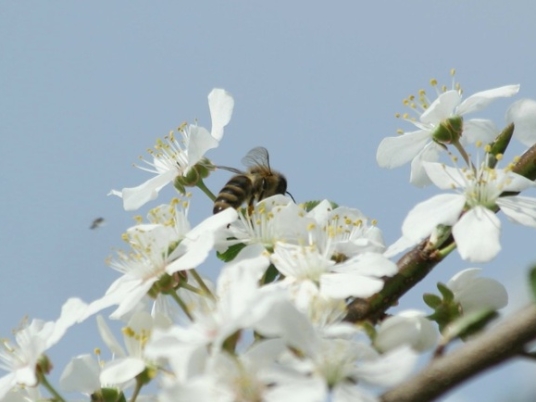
(87, 87)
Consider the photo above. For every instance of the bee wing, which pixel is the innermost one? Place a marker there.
(258, 156)
(230, 169)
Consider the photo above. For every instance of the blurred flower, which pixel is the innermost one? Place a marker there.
(33, 340)
(475, 293)
(409, 327)
(343, 232)
(523, 114)
(359, 276)
(250, 376)
(338, 368)
(172, 158)
(158, 250)
(126, 366)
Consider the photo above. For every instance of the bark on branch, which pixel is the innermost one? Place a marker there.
(485, 351)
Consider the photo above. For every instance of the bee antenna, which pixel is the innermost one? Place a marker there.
(291, 196)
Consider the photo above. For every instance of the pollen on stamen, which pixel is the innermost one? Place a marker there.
(433, 82)
(97, 351)
(399, 131)
(182, 126)
(311, 226)
(127, 331)
(397, 115)
(374, 222)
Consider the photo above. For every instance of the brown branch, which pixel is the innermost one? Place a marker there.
(412, 268)
(485, 351)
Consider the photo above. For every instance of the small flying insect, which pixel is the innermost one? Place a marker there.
(257, 183)
(97, 223)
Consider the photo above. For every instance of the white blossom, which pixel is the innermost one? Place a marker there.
(419, 146)
(172, 158)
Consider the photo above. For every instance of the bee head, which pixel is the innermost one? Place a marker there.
(281, 185)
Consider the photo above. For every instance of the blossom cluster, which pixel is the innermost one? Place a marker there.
(271, 325)
(481, 187)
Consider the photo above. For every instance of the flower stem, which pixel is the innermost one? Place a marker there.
(204, 188)
(57, 397)
(447, 250)
(182, 304)
(136, 391)
(192, 289)
(463, 153)
(202, 284)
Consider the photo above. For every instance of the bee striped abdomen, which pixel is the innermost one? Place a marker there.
(236, 191)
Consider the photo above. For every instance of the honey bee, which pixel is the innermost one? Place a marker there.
(257, 183)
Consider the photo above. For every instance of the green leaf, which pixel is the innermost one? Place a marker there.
(445, 292)
(270, 274)
(231, 253)
(432, 300)
(309, 205)
(469, 324)
(532, 280)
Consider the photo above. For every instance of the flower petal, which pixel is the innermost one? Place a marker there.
(444, 177)
(396, 151)
(424, 217)
(135, 197)
(477, 235)
(519, 209)
(441, 108)
(72, 311)
(482, 99)
(200, 141)
(479, 130)
(193, 253)
(368, 263)
(402, 244)
(342, 285)
(121, 370)
(430, 153)
(221, 104)
(523, 114)
(81, 374)
(391, 369)
(409, 327)
(514, 181)
(474, 293)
